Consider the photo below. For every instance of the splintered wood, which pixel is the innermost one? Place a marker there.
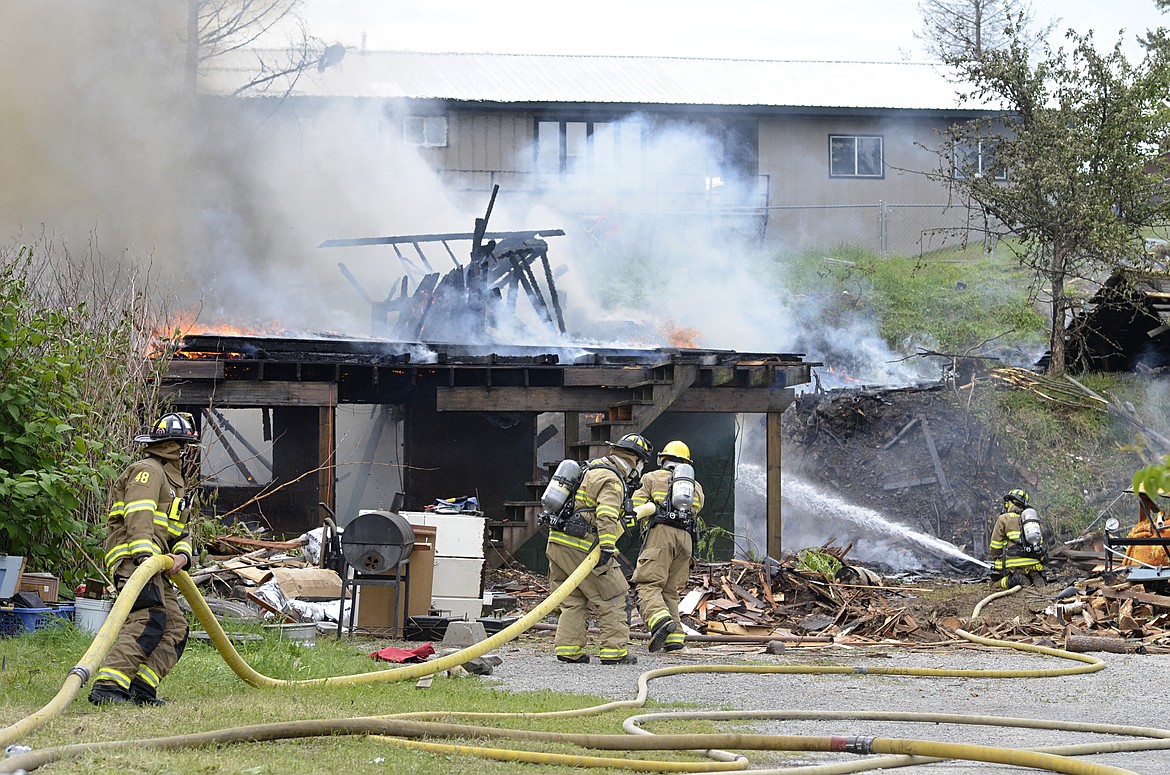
(747, 598)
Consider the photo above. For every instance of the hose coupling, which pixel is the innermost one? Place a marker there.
(860, 670)
(82, 673)
(855, 744)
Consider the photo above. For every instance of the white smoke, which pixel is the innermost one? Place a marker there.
(228, 200)
(813, 516)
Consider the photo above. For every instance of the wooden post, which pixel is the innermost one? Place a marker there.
(327, 455)
(772, 485)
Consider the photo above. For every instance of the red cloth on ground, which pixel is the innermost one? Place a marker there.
(392, 654)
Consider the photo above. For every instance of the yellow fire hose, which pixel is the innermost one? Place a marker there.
(103, 642)
(403, 726)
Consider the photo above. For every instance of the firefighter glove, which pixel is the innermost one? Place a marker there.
(606, 555)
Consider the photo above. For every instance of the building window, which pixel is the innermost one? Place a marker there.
(425, 131)
(576, 150)
(978, 159)
(855, 156)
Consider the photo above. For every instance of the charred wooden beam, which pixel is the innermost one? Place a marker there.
(545, 399)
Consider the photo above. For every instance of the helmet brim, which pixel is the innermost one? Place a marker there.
(146, 438)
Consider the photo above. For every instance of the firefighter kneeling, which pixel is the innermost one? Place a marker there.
(1017, 545)
(667, 504)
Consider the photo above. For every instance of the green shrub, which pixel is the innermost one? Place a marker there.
(74, 375)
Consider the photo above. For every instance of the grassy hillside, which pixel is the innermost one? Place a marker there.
(1075, 452)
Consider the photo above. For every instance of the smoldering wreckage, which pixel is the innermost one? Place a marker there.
(899, 479)
(897, 451)
(851, 456)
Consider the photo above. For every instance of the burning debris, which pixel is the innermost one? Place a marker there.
(469, 302)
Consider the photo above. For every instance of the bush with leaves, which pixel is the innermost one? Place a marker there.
(74, 375)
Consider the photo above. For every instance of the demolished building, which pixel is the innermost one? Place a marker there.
(434, 406)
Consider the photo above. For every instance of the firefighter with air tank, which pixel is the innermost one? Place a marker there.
(667, 505)
(1017, 544)
(583, 508)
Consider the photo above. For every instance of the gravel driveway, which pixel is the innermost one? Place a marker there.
(1133, 690)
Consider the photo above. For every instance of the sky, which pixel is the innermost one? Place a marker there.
(851, 30)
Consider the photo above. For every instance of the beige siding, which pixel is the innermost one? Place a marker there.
(902, 212)
(485, 148)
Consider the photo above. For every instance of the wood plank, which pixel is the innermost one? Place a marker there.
(595, 399)
(903, 483)
(944, 486)
(603, 376)
(199, 368)
(690, 603)
(251, 393)
(1149, 598)
(271, 608)
(905, 429)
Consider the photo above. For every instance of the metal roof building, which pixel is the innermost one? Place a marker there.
(618, 80)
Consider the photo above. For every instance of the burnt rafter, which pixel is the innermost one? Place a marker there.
(473, 298)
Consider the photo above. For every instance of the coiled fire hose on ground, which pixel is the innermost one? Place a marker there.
(401, 728)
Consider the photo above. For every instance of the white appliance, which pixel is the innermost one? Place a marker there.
(457, 586)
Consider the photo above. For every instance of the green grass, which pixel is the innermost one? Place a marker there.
(206, 695)
(1081, 457)
(950, 301)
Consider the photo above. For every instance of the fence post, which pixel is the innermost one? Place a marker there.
(883, 229)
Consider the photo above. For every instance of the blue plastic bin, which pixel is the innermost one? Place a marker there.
(18, 620)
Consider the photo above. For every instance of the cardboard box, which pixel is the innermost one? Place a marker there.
(44, 584)
(308, 583)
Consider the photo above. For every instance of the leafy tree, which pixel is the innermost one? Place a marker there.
(1069, 165)
(971, 28)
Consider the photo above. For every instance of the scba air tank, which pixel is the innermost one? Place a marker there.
(562, 487)
(1030, 527)
(682, 487)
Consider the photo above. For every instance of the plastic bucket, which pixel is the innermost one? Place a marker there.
(90, 614)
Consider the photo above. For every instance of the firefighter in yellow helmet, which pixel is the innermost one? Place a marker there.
(1017, 546)
(597, 518)
(667, 505)
(146, 519)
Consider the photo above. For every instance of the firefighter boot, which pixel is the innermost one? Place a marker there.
(108, 693)
(628, 659)
(141, 694)
(660, 630)
(580, 659)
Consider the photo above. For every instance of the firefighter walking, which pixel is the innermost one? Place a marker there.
(596, 518)
(1017, 545)
(667, 505)
(146, 519)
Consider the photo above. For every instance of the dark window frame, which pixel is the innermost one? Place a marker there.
(982, 164)
(562, 140)
(424, 123)
(836, 172)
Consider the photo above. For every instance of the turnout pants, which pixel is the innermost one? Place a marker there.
(604, 589)
(664, 565)
(151, 640)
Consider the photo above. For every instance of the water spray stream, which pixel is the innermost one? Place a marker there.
(813, 515)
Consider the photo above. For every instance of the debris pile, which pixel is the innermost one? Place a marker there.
(278, 580)
(855, 606)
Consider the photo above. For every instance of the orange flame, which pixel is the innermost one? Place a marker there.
(679, 335)
(841, 374)
(186, 323)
